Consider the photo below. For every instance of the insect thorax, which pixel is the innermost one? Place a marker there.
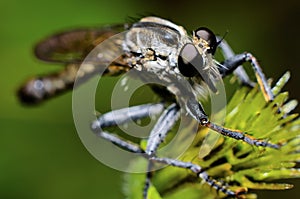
(152, 45)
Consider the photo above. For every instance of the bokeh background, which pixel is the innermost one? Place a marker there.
(41, 155)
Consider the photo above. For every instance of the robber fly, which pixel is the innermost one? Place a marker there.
(156, 49)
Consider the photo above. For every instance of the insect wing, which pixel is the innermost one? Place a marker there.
(73, 46)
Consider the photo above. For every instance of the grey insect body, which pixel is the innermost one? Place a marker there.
(162, 52)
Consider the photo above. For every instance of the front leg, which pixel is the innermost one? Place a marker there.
(158, 134)
(239, 71)
(230, 64)
(195, 109)
(123, 116)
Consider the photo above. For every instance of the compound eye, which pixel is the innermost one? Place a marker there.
(209, 36)
(190, 62)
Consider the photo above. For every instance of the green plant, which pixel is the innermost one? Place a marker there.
(239, 165)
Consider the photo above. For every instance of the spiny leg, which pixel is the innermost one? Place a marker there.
(233, 64)
(238, 135)
(196, 110)
(124, 144)
(199, 172)
(239, 71)
(159, 132)
(148, 179)
(122, 116)
(109, 120)
(230, 64)
(131, 147)
(163, 125)
(125, 115)
(157, 135)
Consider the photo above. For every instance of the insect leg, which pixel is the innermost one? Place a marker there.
(164, 124)
(125, 115)
(122, 116)
(239, 71)
(176, 163)
(232, 63)
(196, 110)
(162, 127)
(198, 171)
(129, 146)
(148, 180)
(238, 135)
(157, 135)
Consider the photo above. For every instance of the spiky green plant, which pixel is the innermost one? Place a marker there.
(237, 164)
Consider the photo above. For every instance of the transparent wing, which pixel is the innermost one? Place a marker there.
(71, 48)
(73, 45)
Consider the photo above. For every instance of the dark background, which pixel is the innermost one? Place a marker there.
(41, 155)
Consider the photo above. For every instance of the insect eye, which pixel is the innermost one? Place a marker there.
(209, 36)
(189, 61)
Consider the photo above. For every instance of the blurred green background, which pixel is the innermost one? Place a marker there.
(41, 155)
